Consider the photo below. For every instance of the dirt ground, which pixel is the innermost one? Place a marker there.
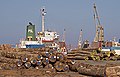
(38, 73)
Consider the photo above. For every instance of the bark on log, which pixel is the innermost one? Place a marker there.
(39, 57)
(19, 63)
(80, 57)
(88, 69)
(74, 66)
(48, 66)
(60, 57)
(59, 66)
(33, 61)
(45, 61)
(45, 54)
(39, 63)
(65, 67)
(6, 66)
(39, 67)
(52, 58)
(24, 59)
(112, 70)
(8, 60)
(15, 55)
(27, 65)
(92, 70)
(82, 52)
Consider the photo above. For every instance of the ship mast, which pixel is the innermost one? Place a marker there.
(43, 13)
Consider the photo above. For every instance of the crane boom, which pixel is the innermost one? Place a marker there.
(96, 14)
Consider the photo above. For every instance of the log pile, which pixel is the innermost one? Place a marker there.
(112, 70)
(78, 55)
(100, 55)
(54, 60)
(47, 58)
(88, 69)
(5, 47)
(27, 58)
(95, 55)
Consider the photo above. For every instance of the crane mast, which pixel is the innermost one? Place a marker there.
(96, 14)
(99, 37)
(80, 40)
(64, 33)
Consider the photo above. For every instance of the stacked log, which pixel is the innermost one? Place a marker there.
(21, 57)
(40, 59)
(54, 64)
(88, 69)
(5, 47)
(59, 66)
(50, 59)
(66, 67)
(15, 55)
(78, 55)
(73, 66)
(112, 70)
(92, 70)
(7, 66)
(95, 55)
(7, 60)
(60, 57)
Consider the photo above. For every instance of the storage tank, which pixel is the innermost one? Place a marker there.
(30, 32)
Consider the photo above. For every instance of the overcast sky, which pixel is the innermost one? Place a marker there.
(72, 15)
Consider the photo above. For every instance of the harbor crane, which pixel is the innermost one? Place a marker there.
(99, 37)
(80, 40)
(64, 33)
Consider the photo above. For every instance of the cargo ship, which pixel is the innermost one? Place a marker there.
(43, 38)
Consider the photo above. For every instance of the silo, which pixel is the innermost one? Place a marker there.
(30, 32)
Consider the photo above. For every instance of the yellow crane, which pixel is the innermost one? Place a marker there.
(99, 37)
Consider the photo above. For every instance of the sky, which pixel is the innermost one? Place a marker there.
(72, 15)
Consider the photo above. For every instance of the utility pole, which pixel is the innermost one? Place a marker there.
(43, 13)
